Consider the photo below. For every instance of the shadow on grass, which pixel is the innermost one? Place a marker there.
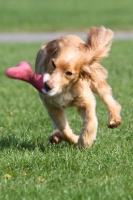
(12, 142)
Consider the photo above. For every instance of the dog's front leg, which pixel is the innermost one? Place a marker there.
(114, 108)
(89, 125)
(63, 130)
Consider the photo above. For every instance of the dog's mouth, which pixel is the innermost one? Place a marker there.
(48, 87)
(50, 91)
(44, 91)
(45, 88)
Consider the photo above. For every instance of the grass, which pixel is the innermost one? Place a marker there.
(32, 15)
(33, 169)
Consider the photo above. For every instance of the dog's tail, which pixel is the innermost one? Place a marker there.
(99, 42)
(97, 47)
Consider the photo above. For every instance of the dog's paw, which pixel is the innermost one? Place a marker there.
(55, 138)
(114, 123)
(114, 116)
(83, 144)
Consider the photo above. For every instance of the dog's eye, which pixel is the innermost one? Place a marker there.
(68, 73)
(54, 66)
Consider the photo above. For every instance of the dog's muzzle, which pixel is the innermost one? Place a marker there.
(48, 86)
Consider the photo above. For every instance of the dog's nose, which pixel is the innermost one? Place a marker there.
(48, 85)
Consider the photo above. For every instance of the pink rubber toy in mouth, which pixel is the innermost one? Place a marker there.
(24, 72)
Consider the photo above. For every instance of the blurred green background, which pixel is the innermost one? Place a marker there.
(50, 15)
(38, 170)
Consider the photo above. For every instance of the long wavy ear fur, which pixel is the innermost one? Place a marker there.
(99, 42)
(95, 72)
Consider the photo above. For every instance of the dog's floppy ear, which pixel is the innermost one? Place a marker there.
(52, 48)
(95, 72)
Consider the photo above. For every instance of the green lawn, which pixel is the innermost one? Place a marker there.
(43, 15)
(30, 168)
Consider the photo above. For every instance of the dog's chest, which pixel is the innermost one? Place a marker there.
(62, 100)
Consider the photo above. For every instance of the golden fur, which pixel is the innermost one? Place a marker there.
(72, 73)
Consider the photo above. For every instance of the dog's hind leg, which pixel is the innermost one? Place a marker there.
(113, 107)
(63, 131)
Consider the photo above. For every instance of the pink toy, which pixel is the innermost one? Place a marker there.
(23, 71)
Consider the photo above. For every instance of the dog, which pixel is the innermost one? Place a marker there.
(72, 72)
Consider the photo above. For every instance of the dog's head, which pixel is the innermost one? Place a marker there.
(68, 58)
